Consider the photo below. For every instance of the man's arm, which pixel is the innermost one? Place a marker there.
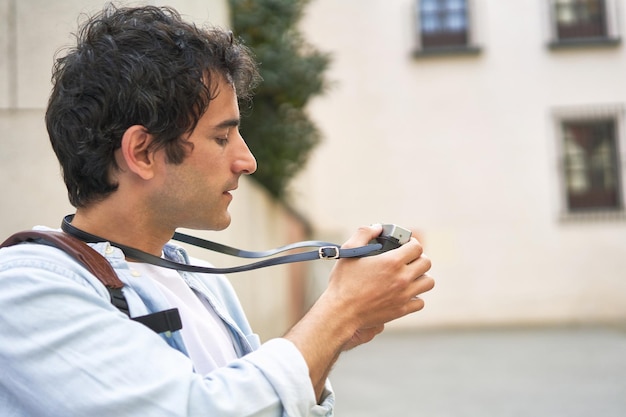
(68, 351)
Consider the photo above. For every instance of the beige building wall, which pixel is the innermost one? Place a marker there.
(31, 31)
(463, 149)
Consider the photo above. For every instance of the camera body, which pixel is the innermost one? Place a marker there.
(392, 236)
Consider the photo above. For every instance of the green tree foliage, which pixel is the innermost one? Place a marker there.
(277, 128)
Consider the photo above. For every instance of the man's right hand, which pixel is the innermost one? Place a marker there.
(362, 295)
(374, 290)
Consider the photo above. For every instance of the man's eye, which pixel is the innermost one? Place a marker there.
(221, 141)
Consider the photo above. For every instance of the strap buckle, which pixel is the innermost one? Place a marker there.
(328, 252)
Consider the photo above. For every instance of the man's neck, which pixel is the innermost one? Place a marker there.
(124, 227)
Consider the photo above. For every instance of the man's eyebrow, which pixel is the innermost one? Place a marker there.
(228, 123)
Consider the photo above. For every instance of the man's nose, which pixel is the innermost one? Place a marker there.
(246, 162)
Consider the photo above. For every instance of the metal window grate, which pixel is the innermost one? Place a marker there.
(589, 146)
(590, 164)
(580, 19)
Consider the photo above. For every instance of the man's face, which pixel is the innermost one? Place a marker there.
(196, 193)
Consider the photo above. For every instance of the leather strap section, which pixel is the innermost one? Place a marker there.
(161, 321)
(83, 253)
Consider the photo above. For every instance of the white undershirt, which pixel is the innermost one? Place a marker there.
(206, 337)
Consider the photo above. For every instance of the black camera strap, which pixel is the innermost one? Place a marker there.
(324, 250)
(169, 320)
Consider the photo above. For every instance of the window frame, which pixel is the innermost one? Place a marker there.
(585, 114)
(469, 46)
(609, 24)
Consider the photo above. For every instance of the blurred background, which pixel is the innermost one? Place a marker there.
(493, 129)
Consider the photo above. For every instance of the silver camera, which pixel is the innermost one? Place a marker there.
(392, 236)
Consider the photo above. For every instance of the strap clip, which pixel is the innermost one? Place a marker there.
(328, 252)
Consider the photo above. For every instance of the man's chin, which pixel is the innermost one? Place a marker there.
(221, 227)
(220, 224)
(212, 224)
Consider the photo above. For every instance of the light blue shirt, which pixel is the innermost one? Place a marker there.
(65, 350)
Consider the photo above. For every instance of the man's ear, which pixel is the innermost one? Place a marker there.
(136, 151)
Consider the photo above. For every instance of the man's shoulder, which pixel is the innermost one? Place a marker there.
(49, 260)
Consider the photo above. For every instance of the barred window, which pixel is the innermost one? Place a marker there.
(591, 164)
(580, 18)
(583, 22)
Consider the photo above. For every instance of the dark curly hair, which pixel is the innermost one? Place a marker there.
(135, 66)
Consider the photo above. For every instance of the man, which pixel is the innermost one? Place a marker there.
(144, 118)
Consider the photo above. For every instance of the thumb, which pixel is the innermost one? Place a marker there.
(363, 235)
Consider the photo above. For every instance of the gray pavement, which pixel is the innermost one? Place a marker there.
(529, 372)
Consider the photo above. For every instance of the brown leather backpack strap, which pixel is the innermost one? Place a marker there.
(162, 321)
(83, 253)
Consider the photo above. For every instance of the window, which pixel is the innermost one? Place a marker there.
(444, 26)
(580, 19)
(444, 23)
(591, 162)
(583, 22)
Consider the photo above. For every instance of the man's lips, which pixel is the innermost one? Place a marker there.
(228, 190)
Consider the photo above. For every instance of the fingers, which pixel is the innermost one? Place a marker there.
(410, 251)
(421, 285)
(363, 235)
(419, 266)
(414, 302)
(410, 254)
(383, 287)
